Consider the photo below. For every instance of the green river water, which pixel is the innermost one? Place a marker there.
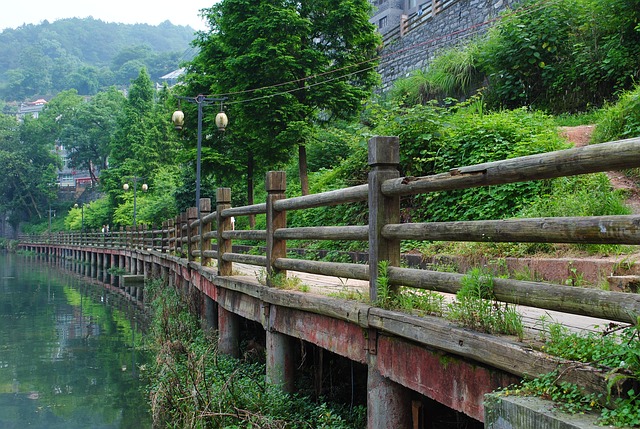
(69, 349)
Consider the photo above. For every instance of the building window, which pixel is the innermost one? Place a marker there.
(382, 22)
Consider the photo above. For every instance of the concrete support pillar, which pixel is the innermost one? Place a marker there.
(388, 403)
(155, 270)
(210, 320)
(228, 332)
(281, 361)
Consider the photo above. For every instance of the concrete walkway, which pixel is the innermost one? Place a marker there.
(535, 320)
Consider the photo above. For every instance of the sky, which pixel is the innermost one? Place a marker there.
(153, 12)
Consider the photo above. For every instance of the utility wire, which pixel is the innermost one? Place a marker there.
(382, 59)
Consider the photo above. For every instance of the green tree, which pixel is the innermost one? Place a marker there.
(290, 66)
(27, 185)
(143, 142)
(88, 133)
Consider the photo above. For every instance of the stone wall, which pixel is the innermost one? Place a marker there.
(457, 22)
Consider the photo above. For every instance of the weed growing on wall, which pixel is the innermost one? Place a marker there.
(476, 307)
(616, 349)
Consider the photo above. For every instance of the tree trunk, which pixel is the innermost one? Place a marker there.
(302, 168)
(250, 164)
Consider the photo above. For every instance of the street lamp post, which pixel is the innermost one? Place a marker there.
(135, 196)
(221, 122)
(54, 214)
(82, 219)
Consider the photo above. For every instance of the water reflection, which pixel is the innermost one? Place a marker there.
(68, 350)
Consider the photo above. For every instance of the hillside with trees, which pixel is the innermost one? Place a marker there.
(298, 83)
(88, 55)
(298, 92)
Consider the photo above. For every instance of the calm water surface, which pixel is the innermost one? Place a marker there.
(68, 355)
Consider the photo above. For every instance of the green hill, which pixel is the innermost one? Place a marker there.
(85, 54)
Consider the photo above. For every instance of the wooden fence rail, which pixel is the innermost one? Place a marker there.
(192, 238)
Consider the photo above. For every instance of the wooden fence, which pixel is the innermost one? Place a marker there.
(189, 237)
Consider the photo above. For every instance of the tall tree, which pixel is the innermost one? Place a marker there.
(141, 144)
(27, 184)
(289, 66)
(89, 132)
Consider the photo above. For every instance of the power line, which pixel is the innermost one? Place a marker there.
(382, 59)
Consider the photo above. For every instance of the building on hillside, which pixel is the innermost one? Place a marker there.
(388, 14)
(171, 79)
(70, 178)
(32, 108)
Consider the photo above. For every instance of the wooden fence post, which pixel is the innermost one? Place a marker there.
(192, 215)
(388, 403)
(276, 184)
(164, 235)
(205, 244)
(384, 157)
(223, 201)
(179, 223)
(171, 236)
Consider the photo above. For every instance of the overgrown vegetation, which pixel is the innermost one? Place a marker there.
(477, 308)
(475, 305)
(194, 386)
(620, 120)
(406, 299)
(616, 348)
(561, 56)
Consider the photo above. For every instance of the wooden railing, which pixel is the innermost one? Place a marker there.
(189, 237)
(410, 22)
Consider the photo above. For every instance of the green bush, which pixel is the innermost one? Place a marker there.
(467, 138)
(586, 195)
(562, 56)
(620, 120)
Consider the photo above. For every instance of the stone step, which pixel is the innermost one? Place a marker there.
(630, 283)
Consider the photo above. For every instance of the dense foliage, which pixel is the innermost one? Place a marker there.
(87, 55)
(560, 56)
(620, 120)
(194, 386)
(289, 67)
(30, 170)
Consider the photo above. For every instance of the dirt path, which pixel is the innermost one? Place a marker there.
(581, 136)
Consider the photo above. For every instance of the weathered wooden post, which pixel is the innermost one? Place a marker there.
(164, 236)
(281, 354)
(182, 220)
(192, 215)
(276, 185)
(388, 403)
(223, 201)
(205, 228)
(228, 322)
(171, 236)
(384, 157)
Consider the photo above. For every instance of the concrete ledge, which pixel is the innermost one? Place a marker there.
(518, 412)
(132, 280)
